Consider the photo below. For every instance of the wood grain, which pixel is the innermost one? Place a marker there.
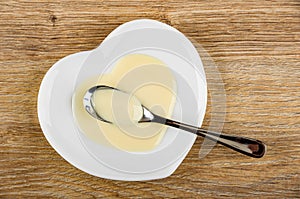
(256, 45)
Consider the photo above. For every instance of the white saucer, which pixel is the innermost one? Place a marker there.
(59, 129)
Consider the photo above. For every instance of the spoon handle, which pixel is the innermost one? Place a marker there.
(247, 146)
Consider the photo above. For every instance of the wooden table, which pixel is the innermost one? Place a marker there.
(255, 44)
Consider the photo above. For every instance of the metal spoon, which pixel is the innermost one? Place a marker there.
(247, 146)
